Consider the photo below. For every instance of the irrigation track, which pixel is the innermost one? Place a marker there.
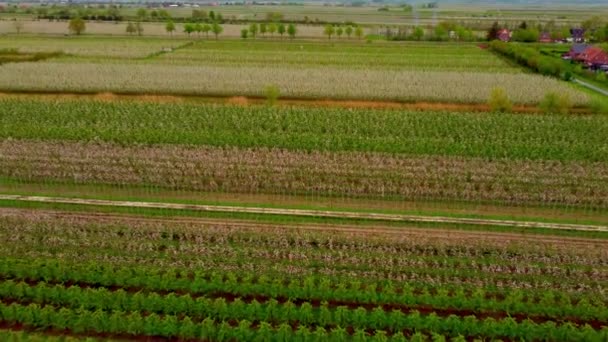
(305, 213)
(591, 86)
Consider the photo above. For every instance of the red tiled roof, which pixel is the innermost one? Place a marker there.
(594, 55)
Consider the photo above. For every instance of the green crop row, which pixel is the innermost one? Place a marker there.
(485, 135)
(311, 288)
(271, 310)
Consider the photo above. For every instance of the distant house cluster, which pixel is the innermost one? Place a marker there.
(577, 35)
(589, 56)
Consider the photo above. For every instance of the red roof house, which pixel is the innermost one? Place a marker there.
(594, 57)
(545, 37)
(575, 51)
(504, 35)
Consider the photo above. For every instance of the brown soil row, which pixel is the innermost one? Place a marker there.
(251, 100)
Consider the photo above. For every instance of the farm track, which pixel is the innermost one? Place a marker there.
(305, 213)
(366, 229)
(251, 100)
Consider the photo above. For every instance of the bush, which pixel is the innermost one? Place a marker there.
(272, 94)
(555, 103)
(598, 106)
(499, 101)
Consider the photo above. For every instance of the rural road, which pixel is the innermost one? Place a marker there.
(591, 86)
(306, 213)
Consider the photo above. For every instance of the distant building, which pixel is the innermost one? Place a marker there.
(594, 57)
(504, 35)
(575, 51)
(545, 37)
(578, 35)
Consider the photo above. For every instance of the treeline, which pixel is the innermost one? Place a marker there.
(532, 58)
(444, 31)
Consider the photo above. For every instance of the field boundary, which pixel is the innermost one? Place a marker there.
(306, 213)
(249, 100)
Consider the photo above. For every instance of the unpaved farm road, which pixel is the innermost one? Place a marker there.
(305, 213)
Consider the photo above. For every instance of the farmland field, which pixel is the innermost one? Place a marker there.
(166, 189)
(460, 73)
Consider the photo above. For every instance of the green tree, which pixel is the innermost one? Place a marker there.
(244, 33)
(199, 15)
(529, 35)
(206, 29)
(263, 29)
(198, 28)
(329, 31)
(188, 28)
(281, 29)
(554, 103)
(77, 26)
(418, 33)
(217, 29)
(339, 32)
(349, 31)
(291, 31)
(253, 30)
(359, 32)
(139, 28)
(163, 14)
(170, 27)
(499, 101)
(272, 28)
(142, 13)
(131, 28)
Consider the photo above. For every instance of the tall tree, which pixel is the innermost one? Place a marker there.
(281, 29)
(359, 32)
(130, 28)
(263, 29)
(170, 27)
(217, 29)
(292, 30)
(188, 28)
(253, 30)
(139, 28)
(348, 31)
(329, 31)
(206, 29)
(142, 13)
(272, 28)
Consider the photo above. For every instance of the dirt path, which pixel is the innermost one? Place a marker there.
(591, 86)
(306, 213)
